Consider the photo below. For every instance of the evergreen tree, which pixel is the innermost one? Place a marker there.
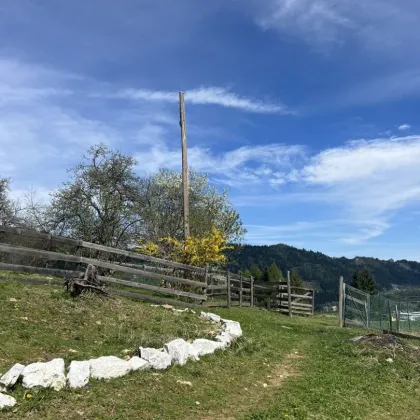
(273, 274)
(364, 280)
(256, 273)
(295, 281)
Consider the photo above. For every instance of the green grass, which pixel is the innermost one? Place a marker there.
(310, 369)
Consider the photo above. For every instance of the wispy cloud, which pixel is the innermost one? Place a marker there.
(366, 181)
(384, 25)
(242, 167)
(404, 127)
(208, 96)
(325, 230)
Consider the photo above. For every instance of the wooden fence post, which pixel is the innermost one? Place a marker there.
(368, 311)
(205, 291)
(313, 302)
(252, 292)
(340, 302)
(79, 253)
(240, 289)
(228, 289)
(289, 294)
(380, 312)
(397, 317)
(390, 316)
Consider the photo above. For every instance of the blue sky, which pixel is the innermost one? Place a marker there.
(307, 110)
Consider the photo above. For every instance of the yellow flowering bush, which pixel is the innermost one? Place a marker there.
(196, 250)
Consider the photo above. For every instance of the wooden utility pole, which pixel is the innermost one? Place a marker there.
(289, 294)
(185, 190)
(340, 301)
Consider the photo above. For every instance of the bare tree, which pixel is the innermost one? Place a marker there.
(9, 209)
(100, 203)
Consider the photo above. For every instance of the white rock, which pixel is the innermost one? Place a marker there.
(79, 373)
(45, 375)
(225, 338)
(232, 327)
(193, 352)
(357, 339)
(203, 346)
(10, 378)
(108, 367)
(179, 350)
(188, 383)
(6, 401)
(136, 363)
(158, 359)
(389, 360)
(210, 316)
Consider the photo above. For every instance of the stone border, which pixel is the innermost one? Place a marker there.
(178, 352)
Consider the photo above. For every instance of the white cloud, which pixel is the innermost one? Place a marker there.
(367, 180)
(404, 127)
(362, 159)
(385, 25)
(208, 96)
(242, 167)
(325, 230)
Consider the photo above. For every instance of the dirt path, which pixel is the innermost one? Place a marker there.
(261, 391)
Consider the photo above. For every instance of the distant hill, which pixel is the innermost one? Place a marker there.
(324, 271)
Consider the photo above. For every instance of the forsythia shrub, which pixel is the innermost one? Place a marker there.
(197, 251)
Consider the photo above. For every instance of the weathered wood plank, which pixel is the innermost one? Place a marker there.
(353, 299)
(72, 258)
(39, 270)
(302, 288)
(148, 298)
(97, 247)
(35, 234)
(285, 296)
(289, 294)
(164, 290)
(305, 294)
(302, 306)
(294, 311)
(34, 282)
(228, 294)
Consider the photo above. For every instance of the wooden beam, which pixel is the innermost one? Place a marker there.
(285, 295)
(289, 294)
(97, 247)
(297, 305)
(40, 270)
(185, 188)
(252, 292)
(340, 301)
(229, 298)
(53, 256)
(149, 298)
(143, 286)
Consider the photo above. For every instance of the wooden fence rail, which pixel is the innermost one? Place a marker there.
(174, 283)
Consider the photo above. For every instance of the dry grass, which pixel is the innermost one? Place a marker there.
(310, 369)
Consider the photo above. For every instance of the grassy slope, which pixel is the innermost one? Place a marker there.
(309, 368)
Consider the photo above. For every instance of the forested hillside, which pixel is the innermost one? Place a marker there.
(325, 271)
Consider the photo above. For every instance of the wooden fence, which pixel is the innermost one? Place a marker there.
(145, 277)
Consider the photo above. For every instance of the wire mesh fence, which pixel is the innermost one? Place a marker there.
(378, 312)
